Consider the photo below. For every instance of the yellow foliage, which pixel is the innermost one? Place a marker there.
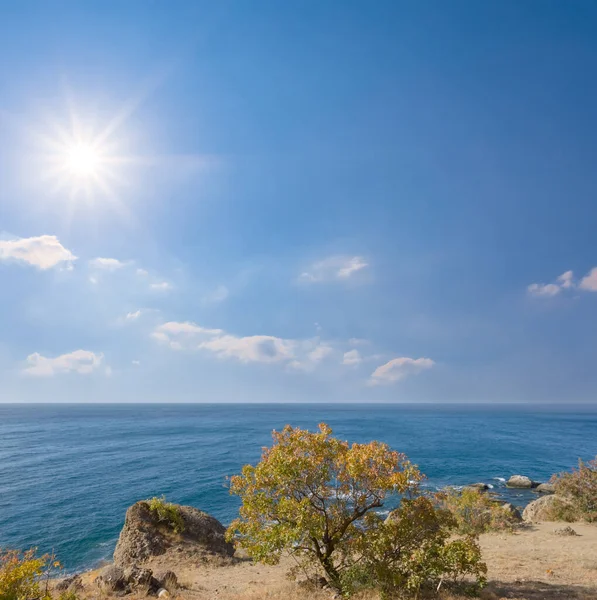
(20, 573)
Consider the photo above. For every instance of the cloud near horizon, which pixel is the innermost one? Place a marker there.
(297, 354)
(333, 268)
(83, 362)
(398, 369)
(43, 252)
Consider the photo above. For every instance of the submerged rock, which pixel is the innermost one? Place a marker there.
(521, 481)
(144, 535)
(546, 488)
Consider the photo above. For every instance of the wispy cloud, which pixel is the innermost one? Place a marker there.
(219, 294)
(79, 361)
(107, 264)
(398, 369)
(565, 282)
(333, 268)
(297, 354)
(133, 315)
(43, 252)
(161, 286)
(352, 358)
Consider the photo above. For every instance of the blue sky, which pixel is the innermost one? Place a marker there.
(298, 202)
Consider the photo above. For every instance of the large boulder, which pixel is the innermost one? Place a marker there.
(144, 536)
(521, 481)
(542, 508)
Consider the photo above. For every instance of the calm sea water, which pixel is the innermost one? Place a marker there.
(68, 473)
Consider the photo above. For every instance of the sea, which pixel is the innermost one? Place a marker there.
(69, 472)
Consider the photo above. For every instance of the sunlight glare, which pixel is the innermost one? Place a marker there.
(82, 160)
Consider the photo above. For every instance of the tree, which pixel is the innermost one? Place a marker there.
(310, 494)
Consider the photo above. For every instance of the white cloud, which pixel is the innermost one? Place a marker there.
(399, 368)
(589, 281)
(107, 264)
(162, 286)
(134, 315)
(352, 358)
(544, 289)
(564, 281)
(43, 252)
(333, 268)
(219, 294)
(79, 361)
(142, 272)
(298, 354)
(136, 362)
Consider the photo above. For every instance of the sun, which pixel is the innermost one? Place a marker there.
(82, 160)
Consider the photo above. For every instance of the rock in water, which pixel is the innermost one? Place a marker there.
(520, 481)
(144, 536)
(546, 488)
(542, 508)
(482, 487)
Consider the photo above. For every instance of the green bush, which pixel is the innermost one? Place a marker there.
(579, 489)
(316, 498)
(475, 512)
(166, 512)
(414, 552)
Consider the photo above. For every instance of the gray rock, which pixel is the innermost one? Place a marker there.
(546, 488)
(482, 487)
(520, 481)
(144, 536)
(565, 531)
(139, 577)
(542, 508)
(72, 584)
(111, 579)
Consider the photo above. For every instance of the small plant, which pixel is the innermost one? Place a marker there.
(20, 574)
(166, 512)
(578, 488)
(475, 512)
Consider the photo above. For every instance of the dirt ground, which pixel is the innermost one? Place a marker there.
(531, 564)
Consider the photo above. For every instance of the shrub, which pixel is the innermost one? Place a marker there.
(166, 512)
(315, 497)
(475, 512)
(579, 487)
(20, 573)
(411, 552)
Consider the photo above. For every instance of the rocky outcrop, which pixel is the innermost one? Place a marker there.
(546, 488)
(521, 481)
(145, 536)
(542, 509)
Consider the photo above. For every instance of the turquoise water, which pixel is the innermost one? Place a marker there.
(68, 473)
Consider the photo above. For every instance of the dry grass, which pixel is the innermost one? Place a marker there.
(531, 564)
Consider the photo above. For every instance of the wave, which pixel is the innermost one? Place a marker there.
(500, 479)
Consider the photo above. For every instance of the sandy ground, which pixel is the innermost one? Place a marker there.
(531, 564)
